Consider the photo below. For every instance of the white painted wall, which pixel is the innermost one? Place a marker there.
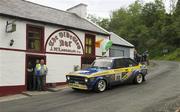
(12, 67)
(132, 53)
(19, 36)
(0, 66)
(59, 66)
(12, 63)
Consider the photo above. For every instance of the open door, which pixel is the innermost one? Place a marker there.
(30, 65)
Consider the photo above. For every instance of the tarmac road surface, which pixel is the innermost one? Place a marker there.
(160, 93)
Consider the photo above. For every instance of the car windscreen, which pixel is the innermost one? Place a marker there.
(102, 63)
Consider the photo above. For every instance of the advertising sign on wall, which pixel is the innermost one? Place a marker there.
(65, 42)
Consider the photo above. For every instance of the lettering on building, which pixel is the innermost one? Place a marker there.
(63, 41)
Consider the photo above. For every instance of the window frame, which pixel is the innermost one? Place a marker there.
(40, 30)
(92, 37)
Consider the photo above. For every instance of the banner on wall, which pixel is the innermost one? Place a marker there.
(65, 42)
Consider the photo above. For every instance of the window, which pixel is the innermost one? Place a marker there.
(90, 45)
(34, 38)
(131, 62)
(101, 63)
(119, 63)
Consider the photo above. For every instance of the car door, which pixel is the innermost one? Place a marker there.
(131, 65)
(119, 67)
(123, 69)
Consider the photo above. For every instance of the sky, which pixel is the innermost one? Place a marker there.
(99, 8)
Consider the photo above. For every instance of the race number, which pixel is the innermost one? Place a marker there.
(118, 76)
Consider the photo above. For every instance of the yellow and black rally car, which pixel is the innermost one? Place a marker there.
(106, 72)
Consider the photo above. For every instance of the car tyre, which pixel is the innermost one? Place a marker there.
(101, 86)
(138, 79)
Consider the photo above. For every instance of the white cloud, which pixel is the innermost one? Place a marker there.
(101, 8)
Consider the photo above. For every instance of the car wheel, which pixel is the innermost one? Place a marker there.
(138, 79)
(100, 86)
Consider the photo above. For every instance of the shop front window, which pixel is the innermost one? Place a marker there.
(34, 39)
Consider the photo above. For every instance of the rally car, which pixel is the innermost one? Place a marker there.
(106, 72)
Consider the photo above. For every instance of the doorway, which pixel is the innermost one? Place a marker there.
(86, 62)
(30, 65)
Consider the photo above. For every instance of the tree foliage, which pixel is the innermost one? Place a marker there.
(147, 26)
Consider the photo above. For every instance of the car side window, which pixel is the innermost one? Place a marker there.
(119, 63)
(130, 62)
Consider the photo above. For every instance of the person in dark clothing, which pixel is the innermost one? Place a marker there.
(146, 57)
(36, 76)
(30, 76)
(137, 56)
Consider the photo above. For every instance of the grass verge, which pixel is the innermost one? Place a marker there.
(174, 56)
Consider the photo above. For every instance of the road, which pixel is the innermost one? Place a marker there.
(161, 93)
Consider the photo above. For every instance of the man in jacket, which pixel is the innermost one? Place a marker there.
(41, 72)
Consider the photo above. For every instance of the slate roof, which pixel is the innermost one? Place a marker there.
(31, 11)
(119, 41)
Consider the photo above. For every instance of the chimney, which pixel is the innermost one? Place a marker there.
(80, 10)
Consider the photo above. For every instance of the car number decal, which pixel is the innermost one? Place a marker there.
(118, 76)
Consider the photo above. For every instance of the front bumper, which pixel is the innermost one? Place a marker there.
(78, 82)
(78, 86)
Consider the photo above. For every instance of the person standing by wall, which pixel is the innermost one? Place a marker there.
(40, 74)
(43, 73)
(30, 76)
(36, 77)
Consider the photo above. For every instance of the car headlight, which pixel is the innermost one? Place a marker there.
(68, 78)
(86, 79)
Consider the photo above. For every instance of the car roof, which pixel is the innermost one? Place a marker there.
(113, 58)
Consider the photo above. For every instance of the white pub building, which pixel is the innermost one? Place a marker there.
(28, 31)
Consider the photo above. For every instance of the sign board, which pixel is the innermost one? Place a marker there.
(65, 42)
(10, 28)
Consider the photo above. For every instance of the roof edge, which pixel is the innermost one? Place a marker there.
(53, 24)
(46, 6)
(123, 45)
(76, 6)
(131, 45)
(98, 26)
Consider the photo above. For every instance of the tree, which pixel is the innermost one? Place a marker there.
(177, 9)
(153, 12)
(172, 6)
(103, 22)
(148, 26)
